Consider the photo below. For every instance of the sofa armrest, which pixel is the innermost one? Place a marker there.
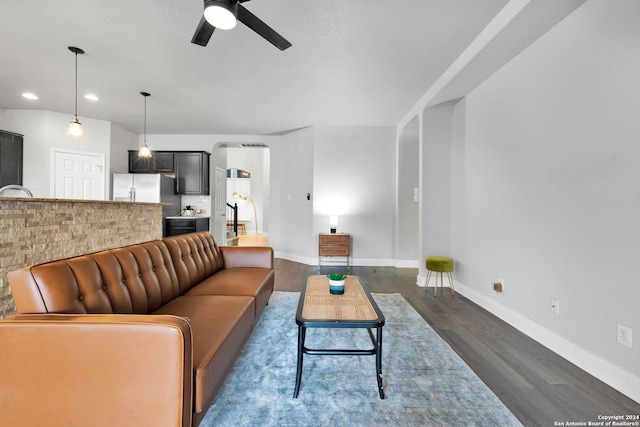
(247, 256)
(98, 370)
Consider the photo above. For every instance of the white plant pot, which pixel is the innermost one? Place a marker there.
(336, 287)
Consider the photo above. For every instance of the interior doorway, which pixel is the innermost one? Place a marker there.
(254, 195)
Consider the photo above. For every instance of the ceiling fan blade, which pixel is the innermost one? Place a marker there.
(203, 32)
(253, 22)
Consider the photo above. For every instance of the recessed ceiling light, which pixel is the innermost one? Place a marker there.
(91, 97)
(29, 95)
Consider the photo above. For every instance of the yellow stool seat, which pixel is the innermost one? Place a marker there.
(439, 264)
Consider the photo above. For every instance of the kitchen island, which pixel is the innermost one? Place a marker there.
(37, 230)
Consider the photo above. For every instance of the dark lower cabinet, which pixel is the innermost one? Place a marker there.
(177, 226)
(10, 158)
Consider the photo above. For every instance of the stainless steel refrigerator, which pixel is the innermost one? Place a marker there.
(145, 187)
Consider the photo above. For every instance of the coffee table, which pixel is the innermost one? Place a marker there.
(317, 308)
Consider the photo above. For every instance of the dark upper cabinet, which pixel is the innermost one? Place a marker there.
(192, 172)
(160, 162)
(10, 158)
(163, 161)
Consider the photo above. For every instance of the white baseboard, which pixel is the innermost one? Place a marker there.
(368, 262)
(295, 258)
(406, 263)
(623, 381)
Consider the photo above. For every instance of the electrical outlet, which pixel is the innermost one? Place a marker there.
(501, 281)
(555, 306)
(624, 335)
(497, 287)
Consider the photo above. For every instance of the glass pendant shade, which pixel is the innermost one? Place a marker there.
(144, 152)
(220, 13)
(75, 129)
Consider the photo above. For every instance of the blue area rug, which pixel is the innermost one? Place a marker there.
(425, 382)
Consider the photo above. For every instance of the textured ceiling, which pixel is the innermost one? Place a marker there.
(353, 62)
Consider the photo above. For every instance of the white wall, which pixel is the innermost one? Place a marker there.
(354, 177)
(121, 140)
(408, 238)
(290, 213)
(435, 184)
(44, 130)
(550, 157)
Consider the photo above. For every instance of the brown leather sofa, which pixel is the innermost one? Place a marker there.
(142, 335)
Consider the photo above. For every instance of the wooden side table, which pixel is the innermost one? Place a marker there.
(334, 245)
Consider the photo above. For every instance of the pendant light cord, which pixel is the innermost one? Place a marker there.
(145, 94)
(76, 109)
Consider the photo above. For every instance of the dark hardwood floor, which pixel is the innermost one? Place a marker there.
(538, 386)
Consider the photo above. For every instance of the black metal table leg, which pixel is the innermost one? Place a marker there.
(301, 336)
(379, 362)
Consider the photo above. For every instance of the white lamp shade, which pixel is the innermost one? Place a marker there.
(145, 152)
(220, 17)
(75, 129)
(333, 221)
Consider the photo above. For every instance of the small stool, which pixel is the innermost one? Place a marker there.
(439, 264)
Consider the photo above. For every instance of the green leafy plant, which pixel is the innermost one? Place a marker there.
(336, 276)
(188, 208)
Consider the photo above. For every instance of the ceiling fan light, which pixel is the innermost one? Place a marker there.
(221, 14)
(75, 129)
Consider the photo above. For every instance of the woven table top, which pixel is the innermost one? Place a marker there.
(352, 305)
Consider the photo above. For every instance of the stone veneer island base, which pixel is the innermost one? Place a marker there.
(37, 230)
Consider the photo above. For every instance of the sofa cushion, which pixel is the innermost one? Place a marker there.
(221, 325)
(254, 282)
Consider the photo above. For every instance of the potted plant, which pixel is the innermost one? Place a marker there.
(336, 283)
(187, 211)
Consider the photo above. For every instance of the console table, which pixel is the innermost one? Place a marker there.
(334, 245)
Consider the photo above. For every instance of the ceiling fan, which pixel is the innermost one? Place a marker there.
(222, 14)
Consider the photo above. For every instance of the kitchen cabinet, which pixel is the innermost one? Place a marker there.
(10, 158)
(177, 226)
(160, 162)
(192, 172)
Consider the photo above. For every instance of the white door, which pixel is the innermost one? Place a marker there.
(220, 207)
(78, 175)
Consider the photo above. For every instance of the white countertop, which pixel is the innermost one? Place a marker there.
(187, 217)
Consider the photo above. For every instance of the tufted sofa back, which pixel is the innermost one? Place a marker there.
(135, 279)
(195, 257)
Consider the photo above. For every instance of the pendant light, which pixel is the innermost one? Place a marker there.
(75, 128)
(145, 152)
